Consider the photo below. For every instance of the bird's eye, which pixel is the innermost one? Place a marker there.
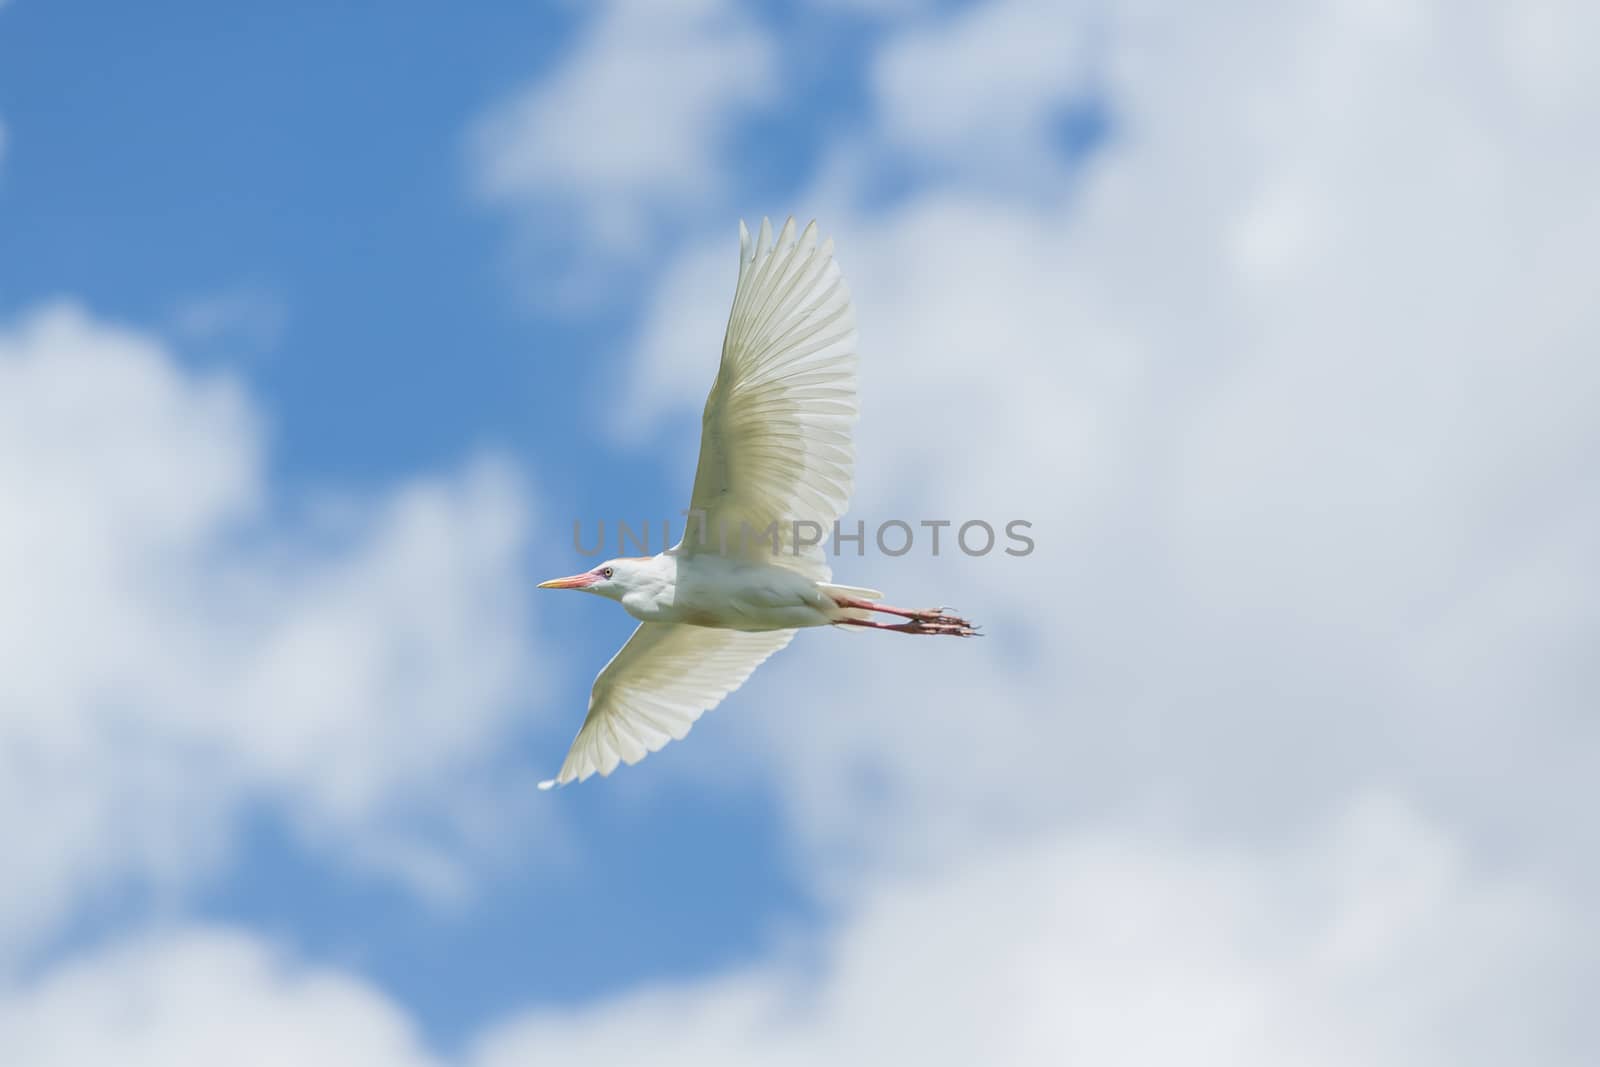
(605, 572)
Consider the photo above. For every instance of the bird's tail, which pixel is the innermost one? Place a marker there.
(853, 592)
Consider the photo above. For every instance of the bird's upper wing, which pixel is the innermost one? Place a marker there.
(656, 686)
(775, 441)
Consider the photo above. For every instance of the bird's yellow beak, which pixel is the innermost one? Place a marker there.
(577, 581)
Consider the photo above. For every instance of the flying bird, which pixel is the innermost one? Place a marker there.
(775, 472)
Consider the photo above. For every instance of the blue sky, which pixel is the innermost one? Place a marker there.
(314, 158)
(318, 329)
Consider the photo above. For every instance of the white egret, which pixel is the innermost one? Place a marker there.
(775, 447)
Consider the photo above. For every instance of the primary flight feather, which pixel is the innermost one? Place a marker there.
(776, 469)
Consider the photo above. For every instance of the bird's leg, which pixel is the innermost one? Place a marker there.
(947, 626)
(929, 615)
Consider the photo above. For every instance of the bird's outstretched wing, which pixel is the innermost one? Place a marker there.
(655, 687)
(775, 441)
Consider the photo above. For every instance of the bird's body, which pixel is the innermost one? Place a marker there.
(725, 592)
(776, 452)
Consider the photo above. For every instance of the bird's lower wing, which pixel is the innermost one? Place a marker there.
(663, 679)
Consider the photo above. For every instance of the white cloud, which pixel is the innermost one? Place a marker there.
(178, 643)
(1292, 384)
(1372, 942)
(630, 130)
(242, 319)
(879, 8)
(202, 995)
(981, 90)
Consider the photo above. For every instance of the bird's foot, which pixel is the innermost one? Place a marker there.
(941, 616)
(948, 625)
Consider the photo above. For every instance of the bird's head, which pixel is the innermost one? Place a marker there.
(611, 579)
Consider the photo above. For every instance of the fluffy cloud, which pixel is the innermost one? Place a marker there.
(1291, 381)
(179, 642)
(1373, 942)
(1033, 62)
(202, 996)
(243, 319)
(627, 132)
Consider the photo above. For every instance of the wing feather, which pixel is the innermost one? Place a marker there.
(776, 440)
(662, 679)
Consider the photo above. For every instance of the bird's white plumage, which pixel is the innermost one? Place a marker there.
(775, 440)
(663, 679)
(775, 447)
